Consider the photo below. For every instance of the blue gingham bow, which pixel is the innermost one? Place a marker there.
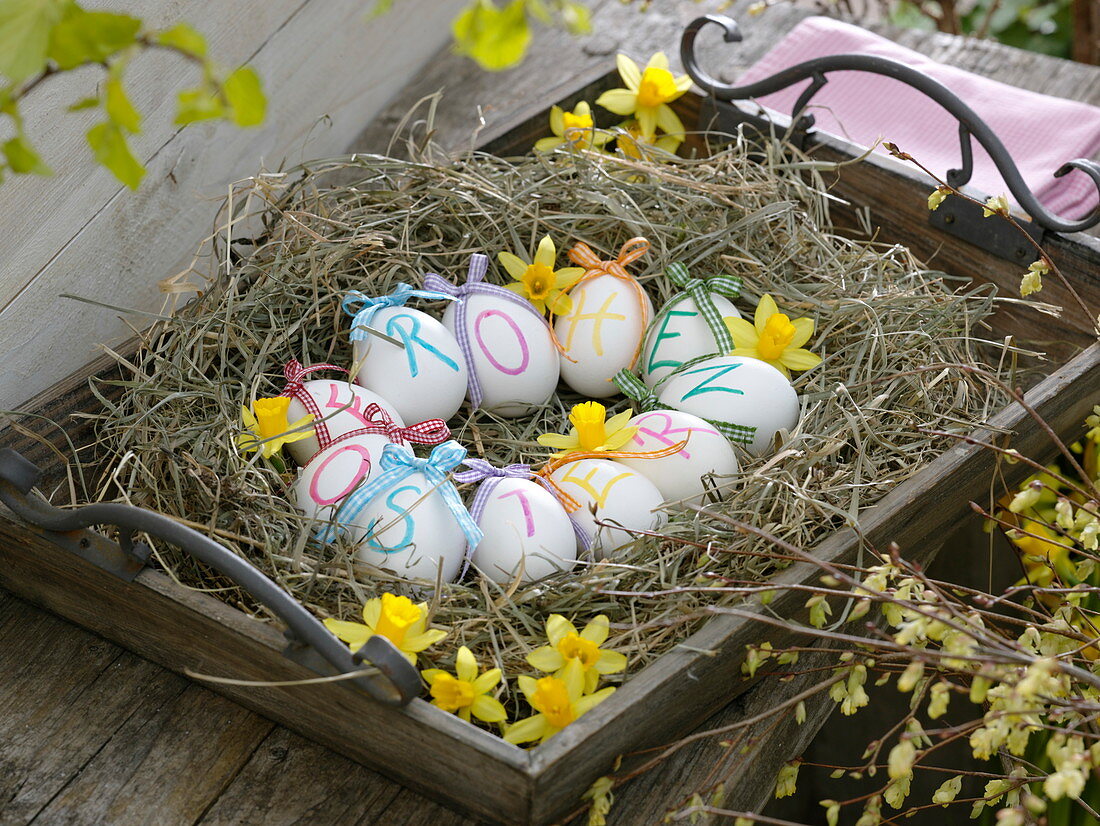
(397, 463)
(362, 308)
(700, 290)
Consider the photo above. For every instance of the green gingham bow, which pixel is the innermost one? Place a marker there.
(700, 290)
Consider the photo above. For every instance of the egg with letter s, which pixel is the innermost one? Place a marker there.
(679, 334)
(425, 377)
(602, 333)
(343, 407)
(335, 472)
(613, 494)
(511, 351)
(678, 476)
(526, 528)
(744, 392)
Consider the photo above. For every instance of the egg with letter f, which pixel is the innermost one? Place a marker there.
(343, 407)
(513, 355)
(751, 396)
(618, 497)
(424, 377)
(602, 333)
(679, 334)
(524, 527)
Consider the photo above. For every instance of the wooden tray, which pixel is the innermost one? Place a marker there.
(435, 752)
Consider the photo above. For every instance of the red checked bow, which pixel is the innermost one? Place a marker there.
(295, 388)
(427, 432)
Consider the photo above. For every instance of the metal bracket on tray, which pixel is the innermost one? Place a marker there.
(971, 127)
(389, 678)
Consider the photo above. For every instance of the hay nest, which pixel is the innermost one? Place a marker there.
(368, 222)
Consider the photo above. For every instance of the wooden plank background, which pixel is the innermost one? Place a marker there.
(327, 70)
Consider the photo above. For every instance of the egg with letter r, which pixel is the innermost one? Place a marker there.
(423, 379)
(524, 526)
(343, 407)
(748, 394)
(679, 334)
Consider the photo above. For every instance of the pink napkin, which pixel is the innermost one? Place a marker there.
(1040, 132)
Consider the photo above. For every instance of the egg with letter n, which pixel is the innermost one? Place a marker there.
(342, 406)
(679, 334)
(335, 472)
(749, 399)
(423, 375)
(702, 451)
(616, 495)
(526, 529)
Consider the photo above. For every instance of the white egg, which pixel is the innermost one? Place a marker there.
(617, 494)
(523, 525)
(513, 355)
(739, 390)
(679, 476)
(680, 334)
(343, 407)
(601, 334)
(335, 472)
(426, 379)
(408, 529)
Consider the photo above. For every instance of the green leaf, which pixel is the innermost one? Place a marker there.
(22, 158)
(119, 108)
(25, 35)
(181, 36)
(198, 104)
(246, 98)
(495, 38)
(84, 103)
(91, 37)
(110, 148)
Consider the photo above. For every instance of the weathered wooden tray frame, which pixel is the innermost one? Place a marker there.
(436, 753)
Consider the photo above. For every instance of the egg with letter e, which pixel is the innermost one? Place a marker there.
(602, 333)
(621, 497)
(342, 407)
(335, 472)
(513, 355)
(680, 475)
(746, 393)
(423, 379)
(679, 334)
(523, 525)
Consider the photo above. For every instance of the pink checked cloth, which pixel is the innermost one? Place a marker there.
(1040, 132)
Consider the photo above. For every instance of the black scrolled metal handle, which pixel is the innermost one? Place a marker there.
(397, 681)
(970, 124)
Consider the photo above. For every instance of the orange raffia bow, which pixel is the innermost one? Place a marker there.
(584, 256)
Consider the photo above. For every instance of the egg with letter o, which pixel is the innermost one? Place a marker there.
(513, 355)
(601, 333)
(679, 334)
(524, 525)
(343, 407)
(424, 379)
(680, 475)
(621, 497)
(739, 390)
(335, 472)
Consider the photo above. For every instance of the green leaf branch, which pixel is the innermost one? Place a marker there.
(40, 39)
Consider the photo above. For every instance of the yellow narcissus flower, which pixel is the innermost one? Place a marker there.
(773, 337)
(567, 646)
(558, 700)
(592, 431)
(640, 146)
(647, 94)
(575, 128)
(398, 619)
(539, 282)
(465, 692)
(266, 427)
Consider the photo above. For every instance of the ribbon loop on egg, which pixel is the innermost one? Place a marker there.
(363, 308)
(427, 432)
(637, 391)
(700, 291)
(294, 373)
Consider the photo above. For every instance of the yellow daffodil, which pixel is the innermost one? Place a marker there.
(592, 431)
(398, 619)
(634, 143)
(567, 646)
(575, 128)
(539, 282)
(773, 337)
(466, 693)
(558, 700)
(266, 427)
(647, 94)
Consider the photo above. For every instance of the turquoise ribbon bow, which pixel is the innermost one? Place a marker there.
(397, 463)
(700, 290)
(362, 308)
